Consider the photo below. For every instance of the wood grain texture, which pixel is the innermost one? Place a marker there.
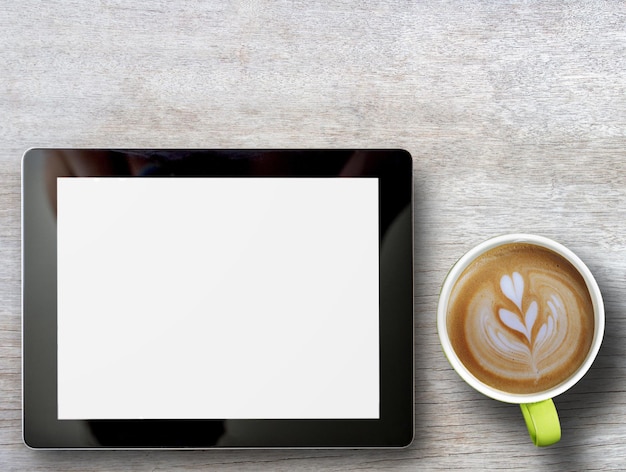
(514, 111)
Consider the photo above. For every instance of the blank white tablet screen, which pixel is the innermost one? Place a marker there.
(211, 298)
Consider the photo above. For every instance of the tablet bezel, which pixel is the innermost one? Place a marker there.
(395, 428)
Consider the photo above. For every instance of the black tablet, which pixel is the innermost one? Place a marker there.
(217, 298)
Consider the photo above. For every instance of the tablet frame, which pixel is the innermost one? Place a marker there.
(395, 428)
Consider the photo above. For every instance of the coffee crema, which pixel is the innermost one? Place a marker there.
(520, 318)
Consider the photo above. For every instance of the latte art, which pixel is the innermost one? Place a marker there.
(515, 341)
(520, 319)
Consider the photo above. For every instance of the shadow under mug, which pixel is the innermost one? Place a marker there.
(538, 409)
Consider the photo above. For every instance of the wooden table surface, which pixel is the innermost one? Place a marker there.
(514, 111)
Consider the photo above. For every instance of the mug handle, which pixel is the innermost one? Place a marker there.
(542, 422)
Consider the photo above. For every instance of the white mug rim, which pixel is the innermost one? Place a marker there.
(464, 262)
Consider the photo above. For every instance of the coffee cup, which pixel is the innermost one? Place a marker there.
(521, 320)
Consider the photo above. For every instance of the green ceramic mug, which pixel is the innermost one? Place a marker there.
(521, 320)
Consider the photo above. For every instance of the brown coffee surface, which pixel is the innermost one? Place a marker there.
(520, 318)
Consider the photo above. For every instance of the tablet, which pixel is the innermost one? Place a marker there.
(217, 298)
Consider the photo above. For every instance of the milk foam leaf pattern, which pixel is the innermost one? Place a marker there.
(543, 332)
(513, 321)
(531, 317)
(513, 288)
